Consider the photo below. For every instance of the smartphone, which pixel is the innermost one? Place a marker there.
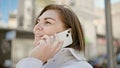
(66, 37)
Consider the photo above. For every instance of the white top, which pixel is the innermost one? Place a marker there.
(66, 58)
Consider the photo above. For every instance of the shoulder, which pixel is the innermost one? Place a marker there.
(77, 64)
(29, 63)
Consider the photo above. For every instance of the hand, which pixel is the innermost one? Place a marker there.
(47, 48)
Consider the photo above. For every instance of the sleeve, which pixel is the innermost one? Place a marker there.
(77, 64)
(29, 63)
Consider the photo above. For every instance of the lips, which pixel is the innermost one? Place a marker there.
(38, 36)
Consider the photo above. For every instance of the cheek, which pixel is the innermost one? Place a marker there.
(53, 30)
(50, 32)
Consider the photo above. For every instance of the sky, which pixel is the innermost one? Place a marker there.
(7, 6)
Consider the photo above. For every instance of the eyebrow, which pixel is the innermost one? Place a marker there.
(49, 18)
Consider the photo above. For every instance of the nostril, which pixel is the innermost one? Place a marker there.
(40, 28)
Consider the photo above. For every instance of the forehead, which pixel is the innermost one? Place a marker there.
(50, 13)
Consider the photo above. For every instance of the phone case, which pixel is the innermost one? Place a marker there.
(66, 37)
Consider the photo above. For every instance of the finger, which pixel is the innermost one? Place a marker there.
(46, 38)
(36, 43)
(56, 38)
(52, 39)
(36, 39)
(44, 43)
(59, 46)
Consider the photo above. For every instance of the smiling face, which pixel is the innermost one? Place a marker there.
(48, 24)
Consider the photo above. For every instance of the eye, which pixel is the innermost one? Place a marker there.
(47, 22)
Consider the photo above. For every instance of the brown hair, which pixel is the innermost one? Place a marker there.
(71, 21)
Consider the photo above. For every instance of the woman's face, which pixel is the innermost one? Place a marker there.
(48, 24)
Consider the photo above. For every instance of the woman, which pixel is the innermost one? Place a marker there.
(54, 19)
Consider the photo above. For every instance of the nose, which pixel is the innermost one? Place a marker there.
(39, 26)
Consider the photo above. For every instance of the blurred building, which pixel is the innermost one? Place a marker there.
(116, 19)
(12, 20)
(18, 34)
(14, 45)
(22, 18)
(3, 24)
(28, 15)
(39, 4)
(100, 24)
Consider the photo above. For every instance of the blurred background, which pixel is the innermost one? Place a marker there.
(17, 19)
